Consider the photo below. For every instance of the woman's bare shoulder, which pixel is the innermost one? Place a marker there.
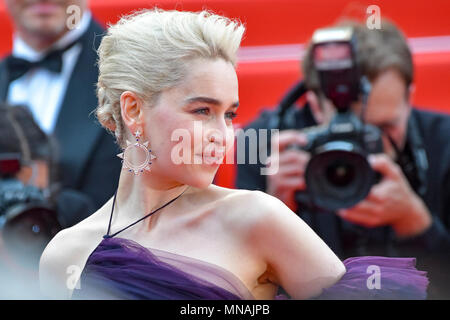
(78, 235)
(285, 243)
(251, 201)
(248, 208)
(68, 241)
(65, 255)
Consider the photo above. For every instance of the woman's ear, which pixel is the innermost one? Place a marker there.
(131, 109)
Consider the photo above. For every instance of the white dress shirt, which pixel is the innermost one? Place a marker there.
(41, 90)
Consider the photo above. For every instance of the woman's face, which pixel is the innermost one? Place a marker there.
(190, 126)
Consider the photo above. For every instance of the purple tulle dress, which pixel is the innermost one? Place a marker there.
(120, 268)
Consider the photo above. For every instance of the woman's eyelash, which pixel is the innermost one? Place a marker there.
(231, 114)
(205, 111)
(202, 111)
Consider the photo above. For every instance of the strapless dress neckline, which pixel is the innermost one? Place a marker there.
(220, 269)
(117, 264)
(120, 268)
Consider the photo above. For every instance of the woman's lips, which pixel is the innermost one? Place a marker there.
(210, 160)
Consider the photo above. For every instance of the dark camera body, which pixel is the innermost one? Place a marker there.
(27, 219)
(338, 174)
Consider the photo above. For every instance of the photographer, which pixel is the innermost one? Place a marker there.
(407, 212)
(27, 215)
(33, 206)
(52, 71)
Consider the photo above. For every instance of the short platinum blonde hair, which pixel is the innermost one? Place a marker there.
(146, 52)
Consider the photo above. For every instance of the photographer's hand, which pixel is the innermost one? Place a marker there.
(390, 202)
(291, 166)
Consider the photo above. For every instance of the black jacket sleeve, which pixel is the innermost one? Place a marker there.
(435, 130)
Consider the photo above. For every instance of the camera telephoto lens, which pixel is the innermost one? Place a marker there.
(338, 176)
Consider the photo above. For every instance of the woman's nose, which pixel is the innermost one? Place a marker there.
(216, 132)
(215, 136)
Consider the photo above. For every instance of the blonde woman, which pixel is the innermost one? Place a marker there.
(169, 233)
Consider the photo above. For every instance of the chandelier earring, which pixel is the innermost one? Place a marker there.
(137, 147)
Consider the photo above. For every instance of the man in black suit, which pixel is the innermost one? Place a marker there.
(52, 70)
(408, 212)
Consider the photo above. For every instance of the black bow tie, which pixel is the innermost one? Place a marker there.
(52, 61)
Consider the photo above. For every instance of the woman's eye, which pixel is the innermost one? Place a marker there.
(231, 115)
(204, 111)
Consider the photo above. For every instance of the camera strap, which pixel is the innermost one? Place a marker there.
(419, 154)
(279, 122)
(413, 159)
